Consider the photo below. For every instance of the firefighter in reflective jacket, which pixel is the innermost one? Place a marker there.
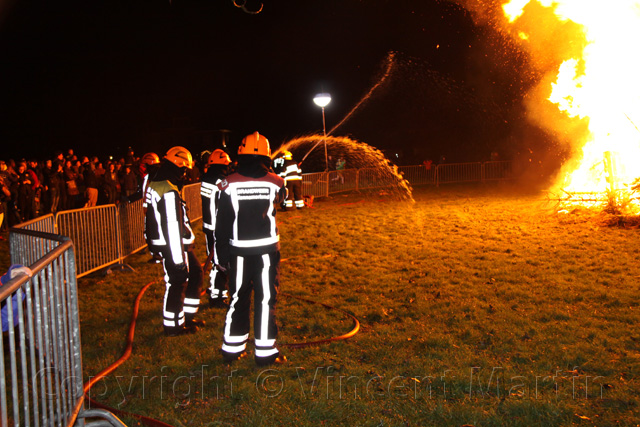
(149, 164)
(292, 175)
(169, 233)
(217, 170)
(248, 246)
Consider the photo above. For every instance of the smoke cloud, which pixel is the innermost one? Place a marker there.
(533, 48)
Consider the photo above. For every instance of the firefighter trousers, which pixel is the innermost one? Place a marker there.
(182, 293)
(259, 274)
(217, 279)
(294, 189)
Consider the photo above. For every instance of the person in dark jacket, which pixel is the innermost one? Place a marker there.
(248, 248)
(50, 187)
(57, 179)
(217, 170)
(110, 184)
(72, 186)
(27, 183)
(39, 196)
(5, 196)
(129, 183)
(168, 232)
(90, 184)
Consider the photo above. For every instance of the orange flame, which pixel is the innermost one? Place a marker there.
(599, 85)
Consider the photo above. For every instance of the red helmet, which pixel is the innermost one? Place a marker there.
(218, 157)
(150, 159)
(255, 144)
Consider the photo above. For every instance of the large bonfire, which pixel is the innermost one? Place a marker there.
(596, 86)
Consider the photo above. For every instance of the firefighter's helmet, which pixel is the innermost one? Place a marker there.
(180, 157)
(287, 155)
(218, 157)
(255, 144)
(150, 159)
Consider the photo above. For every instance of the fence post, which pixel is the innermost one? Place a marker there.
(326, 180)
(118, 234)
(482, 172)
(437, 176)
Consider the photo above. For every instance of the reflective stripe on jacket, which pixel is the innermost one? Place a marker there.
(246, 217)
(291, 171)
(208, 194)
(167, 224)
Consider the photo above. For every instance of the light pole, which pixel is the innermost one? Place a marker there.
(322, 100)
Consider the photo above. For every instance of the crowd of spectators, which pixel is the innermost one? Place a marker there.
(35, 187)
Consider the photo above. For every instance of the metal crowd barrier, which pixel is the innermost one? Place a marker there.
(315, 184)
(95, 233)
(106, 235)
(46, 224)
(369, 178)
(452, 173)
(343, 180)
(322, 184)
(191, 195)
(41, 382)
(497, 171)
(458, 172)
(131, 222)
(419, 174)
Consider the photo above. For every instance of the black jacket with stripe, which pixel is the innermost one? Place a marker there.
(208, 192)
(246, 217)
(168, 229)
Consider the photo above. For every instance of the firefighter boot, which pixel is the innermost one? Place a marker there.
(218, 303)
(232, 357)
(191, 321)
(180, 330)
(276, 359)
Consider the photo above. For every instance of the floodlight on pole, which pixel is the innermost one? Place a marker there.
(322, 100)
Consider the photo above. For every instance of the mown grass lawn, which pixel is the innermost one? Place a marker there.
(478, 306)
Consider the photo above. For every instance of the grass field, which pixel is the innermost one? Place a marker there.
(478, 306)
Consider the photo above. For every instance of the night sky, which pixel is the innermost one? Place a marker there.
(98, 76)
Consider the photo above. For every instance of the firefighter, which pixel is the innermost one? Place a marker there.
(248, 247)
(217, 170)
(292, 175)
(169, 233)
(278, 164)
(149, 164)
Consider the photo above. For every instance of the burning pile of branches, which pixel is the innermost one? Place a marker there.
(620, 208)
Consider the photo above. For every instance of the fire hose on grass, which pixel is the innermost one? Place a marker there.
(129, 344)
(125, 355)
(349, 334)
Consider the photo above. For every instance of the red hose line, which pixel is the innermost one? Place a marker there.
(127, 349)
(349, 334)
(129, 344)
(125, 355)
